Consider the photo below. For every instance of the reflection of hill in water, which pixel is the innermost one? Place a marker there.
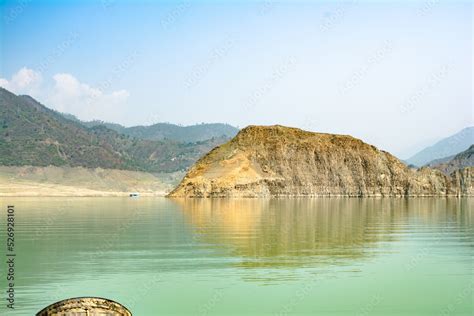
(301, 232)
(103, 238)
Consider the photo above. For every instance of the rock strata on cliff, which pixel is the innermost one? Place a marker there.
(267, 161)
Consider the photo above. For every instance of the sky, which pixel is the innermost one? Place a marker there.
(397, 74)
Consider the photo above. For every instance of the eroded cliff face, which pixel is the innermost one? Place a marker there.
(265, 161)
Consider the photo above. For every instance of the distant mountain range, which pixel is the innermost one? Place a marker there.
(459, 161)
(445, 148)
(168, 131)
(32, 134)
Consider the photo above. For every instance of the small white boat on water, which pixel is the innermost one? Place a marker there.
(134, 194)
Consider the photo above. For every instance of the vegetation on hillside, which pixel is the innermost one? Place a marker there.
(32, 134)
(168, 131)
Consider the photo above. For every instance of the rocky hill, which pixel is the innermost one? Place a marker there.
(459, 161)
(263, 161)
(32, 134)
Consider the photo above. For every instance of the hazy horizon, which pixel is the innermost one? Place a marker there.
(396, 75)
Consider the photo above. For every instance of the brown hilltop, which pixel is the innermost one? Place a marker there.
(266, 161)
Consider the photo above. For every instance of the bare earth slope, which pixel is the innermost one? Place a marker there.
(264, 161)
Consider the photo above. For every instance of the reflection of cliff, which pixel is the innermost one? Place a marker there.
(295, 231)
(276, 232)
(108, 234)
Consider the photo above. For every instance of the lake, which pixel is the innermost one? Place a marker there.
(319, 256)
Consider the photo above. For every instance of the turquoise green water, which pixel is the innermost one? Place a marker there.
(246, 257)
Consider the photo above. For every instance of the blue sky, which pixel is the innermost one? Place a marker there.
(397, 74)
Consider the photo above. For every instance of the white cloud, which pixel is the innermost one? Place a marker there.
(25, 81)
(4, 83)
(71, 96)
(67, 94)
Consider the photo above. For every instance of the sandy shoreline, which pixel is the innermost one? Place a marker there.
(78, 182)
(54, 190)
